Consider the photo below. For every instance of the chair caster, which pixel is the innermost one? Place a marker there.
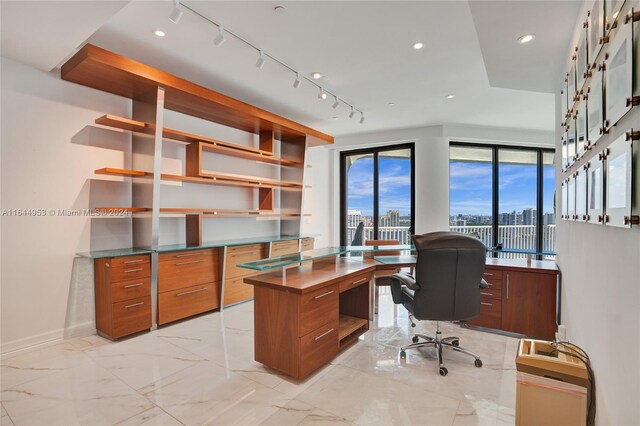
(444, 371)
(403, 355)
(413, 325)
(455, 342)
(478, 363)
(415, 339)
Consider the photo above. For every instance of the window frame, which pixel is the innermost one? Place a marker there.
(495, 199)
(375, 151)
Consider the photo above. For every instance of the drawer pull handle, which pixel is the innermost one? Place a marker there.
(191, 292)
(190, 262)
(486, 304)
(127, 262)
(361, 280)
(128, 271)
(323, 334)
(323, 295)
(486, 294)
(132, 285)
(134, 305)
(188, 255)
(507, 286)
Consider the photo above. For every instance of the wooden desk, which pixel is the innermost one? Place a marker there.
(304, 315)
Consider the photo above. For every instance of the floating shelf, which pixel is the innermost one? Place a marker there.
(349, 324)
(208, 213)
(210, 145)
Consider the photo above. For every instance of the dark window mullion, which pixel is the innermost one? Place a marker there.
(540, 202)
(495, 207)
(376, 192)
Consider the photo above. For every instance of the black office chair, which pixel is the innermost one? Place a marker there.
(446, 287)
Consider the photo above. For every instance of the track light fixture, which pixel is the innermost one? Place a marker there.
(297, 81)
(176, 13)
(220, 38)
(352, 113)
(335, 102)
(261, 61)
(322, 94)
(361, 117)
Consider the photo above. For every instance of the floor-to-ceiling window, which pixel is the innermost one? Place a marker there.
(377, 194)
(503, 195)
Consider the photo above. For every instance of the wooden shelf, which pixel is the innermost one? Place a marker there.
(349, 324)
(104, 70)
(208, 213)
(210, 145)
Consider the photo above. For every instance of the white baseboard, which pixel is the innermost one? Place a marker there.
(30, 343)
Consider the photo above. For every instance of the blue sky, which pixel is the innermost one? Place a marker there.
(470, 187)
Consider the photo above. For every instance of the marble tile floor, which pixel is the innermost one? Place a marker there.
(201, 372)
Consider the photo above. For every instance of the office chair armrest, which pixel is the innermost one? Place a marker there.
(484, 284)
(403, 278)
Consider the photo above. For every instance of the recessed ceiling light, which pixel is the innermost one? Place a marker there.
(316, 75)
(279, 9)
(450, 96)
(418, 45)
(391, 104)
(159, 33)
(526, 38)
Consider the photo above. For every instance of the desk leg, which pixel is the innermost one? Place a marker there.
(372, 298)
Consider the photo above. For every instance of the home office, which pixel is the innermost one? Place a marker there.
(252, 175)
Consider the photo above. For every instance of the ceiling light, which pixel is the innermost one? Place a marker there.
(159, 33)
(322, 94)
(261, 61)
(352, 113)
(418, 45)
(316, 75)
(526, 38)
(335, 102)
(334, 118)
(297, 81)
(391, 104)
(279, 9)
(220, 38)
(176, 13)
(450, 96)
(361, 117)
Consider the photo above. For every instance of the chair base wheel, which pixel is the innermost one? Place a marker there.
(415, 339)
(455, 342)
(403, 355)
(444, 371)
(478, 363)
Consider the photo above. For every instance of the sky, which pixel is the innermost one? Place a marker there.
(470, 187)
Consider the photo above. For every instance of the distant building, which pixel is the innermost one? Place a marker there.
(529, 216)
(549, 219)
(354, 217)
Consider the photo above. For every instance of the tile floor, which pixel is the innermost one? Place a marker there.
(202, 371)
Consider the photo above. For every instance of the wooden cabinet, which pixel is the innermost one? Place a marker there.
(188, 284)
(307, 244)
(280, 248)
(235, 290)
(520, 299)
(122, 295)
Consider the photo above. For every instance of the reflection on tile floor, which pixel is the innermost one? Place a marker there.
(202, 371)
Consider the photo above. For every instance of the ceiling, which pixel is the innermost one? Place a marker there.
(363, 48)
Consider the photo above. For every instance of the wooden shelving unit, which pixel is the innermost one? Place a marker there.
(349, 324)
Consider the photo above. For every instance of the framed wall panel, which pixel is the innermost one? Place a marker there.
(581, 128)
(564, 105)
(571, 142)
(581, 195)
(564, 152)
(612, 9)
(595, 30)
(595, 110)
(595, 192)
(618, 73)
(618, 182)
(581, 61)
(571, 197)
(571, 84)
(565, 199)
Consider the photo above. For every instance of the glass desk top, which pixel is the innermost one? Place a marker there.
(292, 259)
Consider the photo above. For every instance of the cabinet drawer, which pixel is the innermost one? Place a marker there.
(133, 289)
(354, 282)
(131, 316)
(129, 260)
(307, 244)
(280, 248)
(236, 257)
(235, 290)
(492, 274)
(187, 272)
(318, 308)
(187, 255)
(178, 304)
(490, 314)
(318, 347)
(490, 293)
(130, 272)
(245, 249)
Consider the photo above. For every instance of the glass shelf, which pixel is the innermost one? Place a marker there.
(294, 258)
(114, 253)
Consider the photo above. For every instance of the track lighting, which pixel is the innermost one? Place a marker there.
(335, 102)
(322, 94)
(297, 81)
(261, 61)
(176, 13)
(352, 113)
(361, 117)
(220, 38)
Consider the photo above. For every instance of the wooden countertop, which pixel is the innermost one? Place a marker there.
(311, 276)
(545, 266)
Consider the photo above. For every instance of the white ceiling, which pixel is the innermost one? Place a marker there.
(363, 48)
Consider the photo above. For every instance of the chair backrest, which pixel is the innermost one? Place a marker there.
(449, 270)
(357, 236)
(383, 243)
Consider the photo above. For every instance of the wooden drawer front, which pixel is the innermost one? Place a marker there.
(183, 256)
(178, 304)
(129, 260)
(235, 290)
(280, 248)
(494, 278)
(133, 289)
(131, 316)
(307, 244)
(490, 293)
(187, 272)
(490, 314)
(130, 272)
(246, 248)
(234, 258)
(318, 308)
(355, 282)
(318, 347)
